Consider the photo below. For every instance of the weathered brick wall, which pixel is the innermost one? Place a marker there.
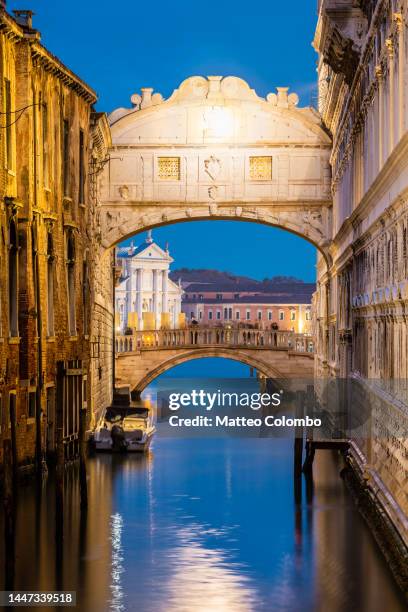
(34, 196)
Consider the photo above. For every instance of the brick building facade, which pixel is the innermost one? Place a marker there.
(52, 144)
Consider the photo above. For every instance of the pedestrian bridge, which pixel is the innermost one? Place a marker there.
(144, 355)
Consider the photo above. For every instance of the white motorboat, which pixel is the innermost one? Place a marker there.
(125, 427)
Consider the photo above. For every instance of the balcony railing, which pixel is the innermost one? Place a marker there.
(214, 336)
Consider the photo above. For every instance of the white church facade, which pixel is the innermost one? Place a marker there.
(145, 297)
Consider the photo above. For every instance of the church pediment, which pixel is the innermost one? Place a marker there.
(153, 251)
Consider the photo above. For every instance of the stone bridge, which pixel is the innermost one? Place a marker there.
(216, 150)
(143, 356)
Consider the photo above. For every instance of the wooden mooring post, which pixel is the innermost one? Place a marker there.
(298, 441)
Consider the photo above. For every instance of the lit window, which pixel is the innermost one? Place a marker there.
(169, 168)
(260, 168)
(307, 315)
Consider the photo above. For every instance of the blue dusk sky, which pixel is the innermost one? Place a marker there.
(117, 48)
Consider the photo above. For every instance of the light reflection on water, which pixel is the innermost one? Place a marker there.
(202, 525)
(117, 564)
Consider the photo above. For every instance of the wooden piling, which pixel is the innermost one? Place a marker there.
(298, 441)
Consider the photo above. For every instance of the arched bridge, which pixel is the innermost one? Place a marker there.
(144, 355)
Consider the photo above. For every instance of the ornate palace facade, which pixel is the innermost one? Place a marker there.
(362, 299)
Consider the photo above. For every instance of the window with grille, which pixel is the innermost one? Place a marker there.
(260, 168)
(169, 168)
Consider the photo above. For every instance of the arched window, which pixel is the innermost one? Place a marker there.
(13, 279)
(50, 285)
(70, 263)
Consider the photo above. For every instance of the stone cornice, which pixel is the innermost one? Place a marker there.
(50, 63)
(9, 26)
(45, 58)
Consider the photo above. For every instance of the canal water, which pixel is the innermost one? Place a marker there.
(203, 525)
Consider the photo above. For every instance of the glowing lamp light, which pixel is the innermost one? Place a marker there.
(218, 122)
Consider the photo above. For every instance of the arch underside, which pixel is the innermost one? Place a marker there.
(310, 222)
(260, 365)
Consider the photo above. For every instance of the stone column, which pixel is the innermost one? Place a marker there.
(165, 291)
(391, 87)
(401, 60)
(156, 298)
(379, 74)
(139, 273)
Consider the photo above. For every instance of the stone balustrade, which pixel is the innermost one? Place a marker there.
(214, 336)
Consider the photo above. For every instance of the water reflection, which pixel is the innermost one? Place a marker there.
(117, 564)
(214, 525)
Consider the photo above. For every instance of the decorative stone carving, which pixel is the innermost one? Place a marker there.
(213, 192)
(212, 167)
(124, 192)
(136, 100)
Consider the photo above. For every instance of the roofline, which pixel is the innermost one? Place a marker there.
(50, 62)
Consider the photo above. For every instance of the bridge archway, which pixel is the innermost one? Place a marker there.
(216, 150)
(263, 368)
(139, 369)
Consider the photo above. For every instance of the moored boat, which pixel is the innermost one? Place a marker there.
(126, 426)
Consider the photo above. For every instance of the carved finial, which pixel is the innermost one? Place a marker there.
(146, 97)
(136, 100)
(282, 99)
(149, 238)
